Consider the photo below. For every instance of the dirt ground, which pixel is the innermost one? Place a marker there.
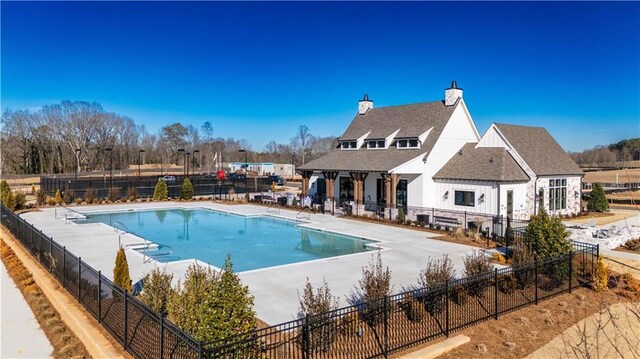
(520, 333)
(629, 175)
(613, 332)
(603, 218)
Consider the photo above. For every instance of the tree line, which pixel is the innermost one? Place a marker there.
(625, 150)
(82, 136)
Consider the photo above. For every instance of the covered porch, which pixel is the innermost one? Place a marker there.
(370, 190)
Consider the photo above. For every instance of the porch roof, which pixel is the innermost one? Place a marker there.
(482, 164)
(364, 160)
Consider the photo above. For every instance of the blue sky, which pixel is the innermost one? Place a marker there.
(259, 70)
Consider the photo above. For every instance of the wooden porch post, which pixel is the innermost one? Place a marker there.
(387, 188)
(394, 184)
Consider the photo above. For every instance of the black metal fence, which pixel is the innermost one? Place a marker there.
(393, 323)
(501, 229)
(364, 330)
(202, 185)
(142, 331)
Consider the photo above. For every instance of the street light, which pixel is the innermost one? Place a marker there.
(181, 150)
(246, 170)
(193, 160)
(77, 163)
(110, 166)
(186, 163)
(139, 153)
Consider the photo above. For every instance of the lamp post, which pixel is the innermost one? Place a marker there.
(193, 171)
(293, 166)
(110, 166)
(246, 169)
(186, 163)
(77, 163)
(181, 150)
(139, 153)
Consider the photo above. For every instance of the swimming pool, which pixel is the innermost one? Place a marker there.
(254, 242)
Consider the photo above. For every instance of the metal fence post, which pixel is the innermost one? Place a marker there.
(64, 265)
(446, 309)
(386, 327)
(570, 268)
(79, 277)
(200, 353)
(126, 318)
(161, 335)
(99, 297)
(495, 290)
(535, 263)
(305, 338)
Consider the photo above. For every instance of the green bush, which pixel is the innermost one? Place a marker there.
(4, 187)
(68, 196)
(547, 236)
(157, 290)
(433, 277)
(477, 265)
(20, 199)
(121, 276)
(58, 197)
(186, 192)
(523, 272)
(322, 328)
(90, 196)
(9, 200)
(212, 306)
(597, 199)
(161, 191)
(400, 216)
(41, 196)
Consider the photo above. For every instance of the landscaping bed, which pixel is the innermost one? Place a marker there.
(64, 341)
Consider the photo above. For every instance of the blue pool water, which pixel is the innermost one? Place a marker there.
(253, 242)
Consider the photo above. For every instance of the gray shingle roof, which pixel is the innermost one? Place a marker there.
(412, 120)
(539, 150)
(482, 164)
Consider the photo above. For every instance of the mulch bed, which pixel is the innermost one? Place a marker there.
(64, 341)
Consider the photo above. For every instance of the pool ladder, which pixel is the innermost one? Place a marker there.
(145, 245)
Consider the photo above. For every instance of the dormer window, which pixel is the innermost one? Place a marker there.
(376, 144)
(349, 145)
(407, 143)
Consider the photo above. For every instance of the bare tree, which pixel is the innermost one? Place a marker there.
(301, 141)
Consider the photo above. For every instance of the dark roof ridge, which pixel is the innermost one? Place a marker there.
(408, 104)
(510, 124)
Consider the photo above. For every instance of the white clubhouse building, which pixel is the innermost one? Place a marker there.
(430, 155)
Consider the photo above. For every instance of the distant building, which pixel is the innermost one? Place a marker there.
(431, 155)
(286, 170)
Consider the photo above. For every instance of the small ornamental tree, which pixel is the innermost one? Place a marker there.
(374, 285)
(322, 328)
(90, 196)
(58, 197)
(477, 266)
(68, 196)
(547, 236)
(4, 188)
(157, 290)
(601, 276)
(232, 309)
(20, 200)
(121, 276)
(433, 277)
(597, 199)
(161, 191)
(186, 306)
(9, 200)
(186, 192)
(132, 194)
(41, 196)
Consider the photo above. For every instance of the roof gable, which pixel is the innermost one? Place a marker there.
(539, 150)
(482, 164)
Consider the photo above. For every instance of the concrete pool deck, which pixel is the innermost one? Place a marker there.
(405, 251)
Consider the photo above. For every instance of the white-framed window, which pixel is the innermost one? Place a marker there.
(557, 194)
(375, 144)
(407, 143)
(349, 145)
